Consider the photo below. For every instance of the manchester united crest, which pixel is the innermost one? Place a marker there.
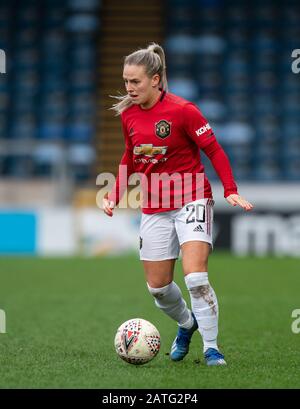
(163, 129)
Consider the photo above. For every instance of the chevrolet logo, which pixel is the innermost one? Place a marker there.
(149, 150)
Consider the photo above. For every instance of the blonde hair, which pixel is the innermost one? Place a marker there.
(154, 60)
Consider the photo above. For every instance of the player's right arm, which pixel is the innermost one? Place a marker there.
(113, 198)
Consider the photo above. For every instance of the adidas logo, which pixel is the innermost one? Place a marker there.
(198, 228)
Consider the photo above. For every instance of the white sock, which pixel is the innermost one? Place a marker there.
(205, 307)
(169, 300)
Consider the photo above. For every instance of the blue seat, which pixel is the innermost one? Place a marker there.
(51, 131)
(80, 131)
(47, 157)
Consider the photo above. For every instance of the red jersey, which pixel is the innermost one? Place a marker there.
(166, 140)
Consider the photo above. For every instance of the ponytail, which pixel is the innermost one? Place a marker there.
(157, 49)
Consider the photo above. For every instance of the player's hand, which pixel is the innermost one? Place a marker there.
(108, 206)
(238, 200)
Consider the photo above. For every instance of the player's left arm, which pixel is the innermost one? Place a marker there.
(199, 130)
(222, 166)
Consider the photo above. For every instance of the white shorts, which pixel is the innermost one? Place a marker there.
(162, 234)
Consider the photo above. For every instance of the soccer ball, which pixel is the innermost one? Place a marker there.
(137, 341)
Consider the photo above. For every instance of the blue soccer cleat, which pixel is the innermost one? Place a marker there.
(213, 357)
(180, 346)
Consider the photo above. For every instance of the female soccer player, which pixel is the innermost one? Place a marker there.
(163, 137)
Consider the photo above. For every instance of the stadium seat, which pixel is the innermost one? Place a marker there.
(226, 60)
(48, 96)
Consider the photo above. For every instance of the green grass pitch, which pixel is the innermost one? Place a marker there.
(62, 315)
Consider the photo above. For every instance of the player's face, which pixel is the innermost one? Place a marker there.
(141, 89)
